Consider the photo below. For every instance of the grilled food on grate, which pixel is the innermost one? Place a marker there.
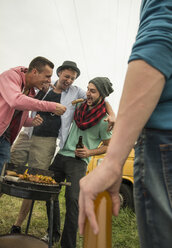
(36, 178)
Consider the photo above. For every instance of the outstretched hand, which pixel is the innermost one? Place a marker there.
(60, 109)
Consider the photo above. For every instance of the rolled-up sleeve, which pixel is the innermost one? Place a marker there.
(154, 39)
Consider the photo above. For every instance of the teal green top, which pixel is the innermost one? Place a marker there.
(154, 45)
(91, 138)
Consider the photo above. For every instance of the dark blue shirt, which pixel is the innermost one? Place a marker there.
(51, 122)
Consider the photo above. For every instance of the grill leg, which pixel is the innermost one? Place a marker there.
(51, 224)
(29, 218)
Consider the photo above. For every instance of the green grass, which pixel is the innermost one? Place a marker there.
(124, 229)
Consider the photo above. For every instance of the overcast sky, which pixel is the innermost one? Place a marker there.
(96, 34)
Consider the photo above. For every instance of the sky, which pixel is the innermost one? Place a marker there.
(97, 34)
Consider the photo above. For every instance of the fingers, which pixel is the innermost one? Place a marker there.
(59, 112)
(37, 120)
(82, 152)
(79, 154)
(82, 216)
(110, 127)
(91, 216)
(115, 205)
(110, 124)
(60, 109)
(38, 117)
(86, 210)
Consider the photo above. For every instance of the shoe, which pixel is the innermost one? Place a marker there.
(46, 238)
(15, 229)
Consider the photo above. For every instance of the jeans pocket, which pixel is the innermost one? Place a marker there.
(166, 157)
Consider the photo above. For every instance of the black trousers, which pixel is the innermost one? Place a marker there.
(72, 170)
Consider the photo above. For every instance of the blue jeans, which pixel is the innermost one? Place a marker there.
(153, 188)
(4, 151)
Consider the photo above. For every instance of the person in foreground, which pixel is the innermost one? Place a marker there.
(144, 116)
(71, 163)
(16, 99)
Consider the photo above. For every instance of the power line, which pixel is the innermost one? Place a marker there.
(65, 36)
(80, 36)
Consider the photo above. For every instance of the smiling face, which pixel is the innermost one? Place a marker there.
(93, 95)
(40, 79)
(66, 79)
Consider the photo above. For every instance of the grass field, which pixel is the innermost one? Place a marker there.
(124, 229)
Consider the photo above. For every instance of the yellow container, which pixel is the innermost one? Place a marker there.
(103, 211)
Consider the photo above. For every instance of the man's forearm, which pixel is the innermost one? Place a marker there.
(142, 90)
(85, 152)
(101, 150)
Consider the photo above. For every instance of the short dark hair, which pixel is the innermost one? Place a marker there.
(38, 63)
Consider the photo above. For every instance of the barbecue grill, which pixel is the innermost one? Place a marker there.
(30, 190)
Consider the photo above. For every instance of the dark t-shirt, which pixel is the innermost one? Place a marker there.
(51, 122)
